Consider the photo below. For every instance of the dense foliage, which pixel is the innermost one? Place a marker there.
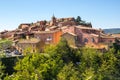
(1, 70)
(62, 62)
(81, 22)
(4, 44)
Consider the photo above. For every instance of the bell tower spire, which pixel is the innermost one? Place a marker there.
(53, 20)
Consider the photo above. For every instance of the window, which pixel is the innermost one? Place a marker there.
(85, 40)
(92, 39)
(49, 38)
(110, 41)
(76, 38)
(38, 37)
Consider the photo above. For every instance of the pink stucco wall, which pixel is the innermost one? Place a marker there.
(108, 40)
(88, 35)
(83, 34)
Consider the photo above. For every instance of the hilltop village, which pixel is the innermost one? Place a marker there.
(77, 32)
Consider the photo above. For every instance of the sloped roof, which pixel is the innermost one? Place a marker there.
(84, 27)
(95, 35)
(70, 34)
(25, 24)
(53, 27)
(116, 35)
(40, 32)
(32, 40)
(97, 46)
(106, 35)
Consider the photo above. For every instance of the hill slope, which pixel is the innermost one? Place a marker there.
(112, 30)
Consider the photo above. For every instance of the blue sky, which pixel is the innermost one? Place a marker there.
(101, 13)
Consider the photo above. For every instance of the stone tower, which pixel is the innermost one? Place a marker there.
(53, 21)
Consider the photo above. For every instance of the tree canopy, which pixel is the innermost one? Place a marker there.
(61, 62)
(2, 67)
(78, 19)
(4, 44)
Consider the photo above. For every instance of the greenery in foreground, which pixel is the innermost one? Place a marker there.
(64, 63)
(4, 44)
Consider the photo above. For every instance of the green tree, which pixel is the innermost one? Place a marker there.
(68, 72)
(64, 50)
(117, 65)
(95, 65)
(2, 54)
(2, 67)
(107, 70)
(116, 45)
(88, 74)
(78, 19)
(35, 67)
(4, 44)
(62, 62)
(27, 50)
(89, 58)
(50, 49)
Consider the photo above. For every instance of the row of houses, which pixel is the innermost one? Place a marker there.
(37, 35)
(77, 36)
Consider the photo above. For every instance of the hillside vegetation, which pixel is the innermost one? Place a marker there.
(62, 62)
